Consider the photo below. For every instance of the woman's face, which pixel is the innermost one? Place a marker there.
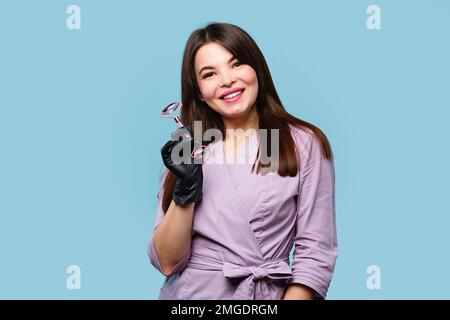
(228, 87)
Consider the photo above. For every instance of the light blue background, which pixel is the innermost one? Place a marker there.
(80, 135)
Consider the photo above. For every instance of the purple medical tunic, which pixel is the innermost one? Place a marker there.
(246, 225)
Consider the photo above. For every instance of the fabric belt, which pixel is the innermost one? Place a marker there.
(253, 285)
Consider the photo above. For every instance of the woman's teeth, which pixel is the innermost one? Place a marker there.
(232, 95)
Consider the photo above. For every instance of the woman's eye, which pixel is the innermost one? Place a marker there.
(207, 75)
(237, 64)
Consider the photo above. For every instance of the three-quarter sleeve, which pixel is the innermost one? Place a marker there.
(315, 239)
(182, 264)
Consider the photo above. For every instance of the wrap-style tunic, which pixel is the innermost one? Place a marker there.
(246, 224)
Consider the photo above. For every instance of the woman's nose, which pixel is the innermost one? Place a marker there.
(228, 78)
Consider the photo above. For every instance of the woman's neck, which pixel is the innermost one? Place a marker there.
(237, 132)
(242, 125)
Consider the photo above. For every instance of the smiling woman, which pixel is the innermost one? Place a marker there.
(225, 231)
(227, 86)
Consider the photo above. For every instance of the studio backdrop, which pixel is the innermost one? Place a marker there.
(82, 84)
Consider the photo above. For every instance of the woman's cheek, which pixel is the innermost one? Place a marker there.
(208, 92)
(250, 75)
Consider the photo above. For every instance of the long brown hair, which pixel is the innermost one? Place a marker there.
(271, 113)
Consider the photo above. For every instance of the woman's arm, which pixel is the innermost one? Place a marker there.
(172, 237)
(315, 240)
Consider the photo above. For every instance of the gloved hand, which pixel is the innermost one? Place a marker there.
(189, 183)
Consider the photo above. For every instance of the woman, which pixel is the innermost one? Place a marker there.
(224, 230)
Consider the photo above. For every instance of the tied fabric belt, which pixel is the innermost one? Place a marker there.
(252, 287)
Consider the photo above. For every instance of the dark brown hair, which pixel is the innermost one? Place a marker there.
(272, 114)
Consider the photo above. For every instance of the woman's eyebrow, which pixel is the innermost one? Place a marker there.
(209, 67)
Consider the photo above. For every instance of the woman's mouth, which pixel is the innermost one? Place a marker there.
(233, 97)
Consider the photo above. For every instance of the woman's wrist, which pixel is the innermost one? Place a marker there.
(298, 291)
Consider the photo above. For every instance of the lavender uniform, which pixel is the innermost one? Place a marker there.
(246, 226)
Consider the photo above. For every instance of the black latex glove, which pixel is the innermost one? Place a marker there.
(189, 184)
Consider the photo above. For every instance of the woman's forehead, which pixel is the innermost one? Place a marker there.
(212, 54)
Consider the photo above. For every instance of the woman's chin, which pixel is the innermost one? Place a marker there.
(233, 114)
(234, 111)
